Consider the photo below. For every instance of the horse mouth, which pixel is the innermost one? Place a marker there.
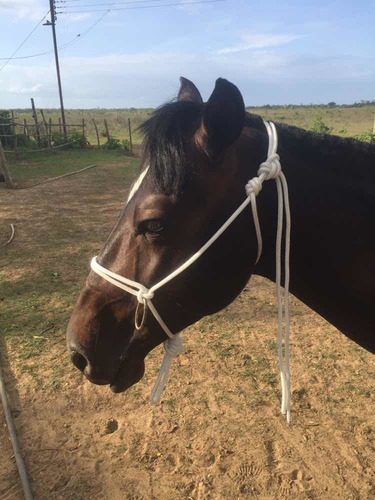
(129, 373)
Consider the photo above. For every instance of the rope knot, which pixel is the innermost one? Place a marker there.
(143, 295)
(271, 167)
(253, 186)
(173, 346)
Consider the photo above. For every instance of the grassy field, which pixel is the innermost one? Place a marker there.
(40, 166)
(344, 121)
(117, 121)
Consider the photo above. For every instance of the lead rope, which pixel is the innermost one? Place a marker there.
(270, 169)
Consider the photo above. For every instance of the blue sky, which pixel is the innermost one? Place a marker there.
(276, 52)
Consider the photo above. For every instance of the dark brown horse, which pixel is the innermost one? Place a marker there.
(200, 156)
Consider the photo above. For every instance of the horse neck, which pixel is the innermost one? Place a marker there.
(332, 200)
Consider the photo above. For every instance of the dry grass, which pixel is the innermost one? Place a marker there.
(347, 122)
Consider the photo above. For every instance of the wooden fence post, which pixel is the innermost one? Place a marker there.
(130, 135)
(5, 170)
(36, 122)
(106, 129)
(13, 123)
(50, 133)
(44, 123)
(15, 146)
(15, 135)
(25, 128)
(97, 133)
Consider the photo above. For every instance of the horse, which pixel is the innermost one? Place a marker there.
(197, 159)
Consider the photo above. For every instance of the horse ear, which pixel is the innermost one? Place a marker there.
(188, 91)
(223, 117)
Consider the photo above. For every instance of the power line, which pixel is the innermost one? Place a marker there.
(112, 3)
(106, 4)
(28, 36)
(141, 7)
(41, 53)
(76, 39)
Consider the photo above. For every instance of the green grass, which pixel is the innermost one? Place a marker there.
(346, 121)
(117, 120)
(343, 121)
(52, 164)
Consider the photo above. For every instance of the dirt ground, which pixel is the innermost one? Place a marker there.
(218, 432)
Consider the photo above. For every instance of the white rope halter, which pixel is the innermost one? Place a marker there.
(270, 169)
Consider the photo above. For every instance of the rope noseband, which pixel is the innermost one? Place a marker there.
(270, 169)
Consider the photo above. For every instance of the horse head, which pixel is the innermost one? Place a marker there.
(197, 159)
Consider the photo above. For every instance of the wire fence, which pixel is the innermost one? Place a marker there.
(22, 137)
(43, 149)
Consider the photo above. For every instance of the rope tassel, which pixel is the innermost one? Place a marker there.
(172, 347)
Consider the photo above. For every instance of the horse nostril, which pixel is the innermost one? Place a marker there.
(78, 360)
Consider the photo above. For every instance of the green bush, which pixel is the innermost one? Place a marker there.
(320, 127)
(112, 143)
(79, 138)
(80, 141)
(367, 136)
(24, 141)
(58, 139)
(43, 142)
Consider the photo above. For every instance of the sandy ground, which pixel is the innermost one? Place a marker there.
(218, 432)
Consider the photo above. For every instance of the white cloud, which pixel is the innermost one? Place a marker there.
(149, 78)
(19, 89)
(24, 9)
(256, 41)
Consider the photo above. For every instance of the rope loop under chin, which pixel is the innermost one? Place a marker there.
(139, 325)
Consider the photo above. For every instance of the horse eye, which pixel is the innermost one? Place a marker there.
(153, 226)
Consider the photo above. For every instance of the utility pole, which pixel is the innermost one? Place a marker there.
(52, 23)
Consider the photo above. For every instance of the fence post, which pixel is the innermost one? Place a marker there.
(25, 128)
(13, 123)
(60, 129)
(15, 135)
(83, 128)
(106, 129)
(50, 133)
(5, 170)
(97, 133)
(36, 122)
(44, 123)
(15, 147)
(130, 135)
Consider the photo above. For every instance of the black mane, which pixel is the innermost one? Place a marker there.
(165, 134)
(171, 125)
